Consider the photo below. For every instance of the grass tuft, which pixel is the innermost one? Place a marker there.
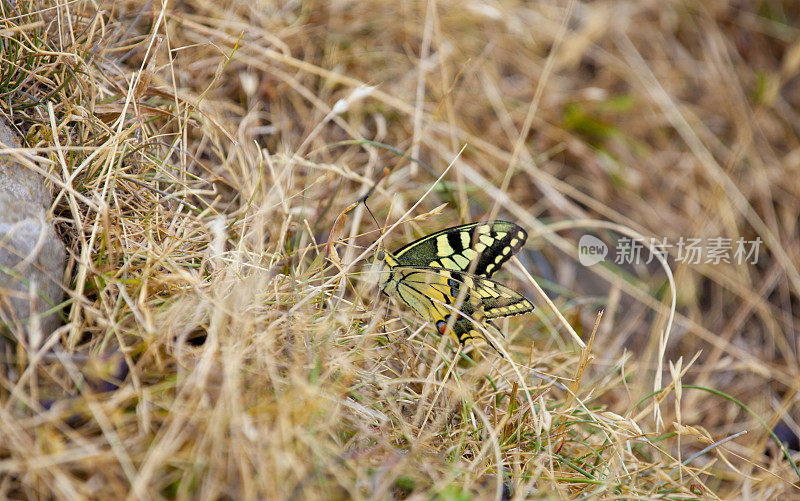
(222, 340)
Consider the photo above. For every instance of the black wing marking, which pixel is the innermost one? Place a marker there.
(491, 299)
(490, 243)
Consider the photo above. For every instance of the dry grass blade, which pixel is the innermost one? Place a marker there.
(221, 339)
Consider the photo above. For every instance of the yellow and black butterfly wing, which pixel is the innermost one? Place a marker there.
(434, 294)
(489, 243)
(430, 275)
(443, 288)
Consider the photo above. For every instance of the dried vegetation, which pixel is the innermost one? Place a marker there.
(200, 154)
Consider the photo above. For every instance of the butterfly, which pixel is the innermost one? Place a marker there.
(431, 274)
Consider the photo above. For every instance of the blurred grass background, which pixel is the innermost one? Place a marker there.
(210, 350)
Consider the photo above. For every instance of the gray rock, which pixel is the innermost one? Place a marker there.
(15, 179)
(31, 254)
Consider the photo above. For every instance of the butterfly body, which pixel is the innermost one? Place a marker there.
(447, 274)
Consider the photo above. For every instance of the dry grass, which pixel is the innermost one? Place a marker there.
(199, 160)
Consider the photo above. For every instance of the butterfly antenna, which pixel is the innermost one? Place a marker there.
(373, 216)
(369, 193)
(338, 225)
